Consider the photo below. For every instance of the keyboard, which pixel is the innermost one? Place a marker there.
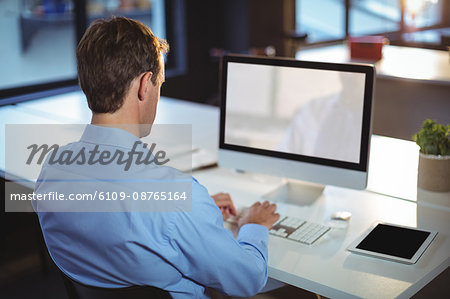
(298, 230)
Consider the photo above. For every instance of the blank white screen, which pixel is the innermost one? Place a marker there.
(303, 111)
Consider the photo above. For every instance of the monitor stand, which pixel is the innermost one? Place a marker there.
(295, 192)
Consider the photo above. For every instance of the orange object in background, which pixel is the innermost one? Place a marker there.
(366, 47)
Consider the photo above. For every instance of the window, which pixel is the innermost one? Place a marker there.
(374, 16)
(422, 13)
(321, 19)
(327, 20)
(38, 42)
(38, 39)
(151, 13)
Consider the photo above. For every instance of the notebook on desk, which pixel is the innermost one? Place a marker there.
(192, 159)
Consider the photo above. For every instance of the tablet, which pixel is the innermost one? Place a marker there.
(393, 242)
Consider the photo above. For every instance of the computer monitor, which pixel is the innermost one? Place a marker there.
(309, 121)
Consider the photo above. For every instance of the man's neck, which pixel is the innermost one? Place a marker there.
(115, 121)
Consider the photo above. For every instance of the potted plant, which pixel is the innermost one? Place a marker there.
(434, 157)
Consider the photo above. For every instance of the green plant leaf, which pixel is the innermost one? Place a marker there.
(433, 139)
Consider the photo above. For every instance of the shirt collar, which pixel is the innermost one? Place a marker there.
(108, 136)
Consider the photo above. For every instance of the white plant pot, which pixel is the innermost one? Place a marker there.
(434, 173)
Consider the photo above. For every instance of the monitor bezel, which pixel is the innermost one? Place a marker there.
(366, 69)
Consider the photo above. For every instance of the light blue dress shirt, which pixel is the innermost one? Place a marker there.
(182, 252)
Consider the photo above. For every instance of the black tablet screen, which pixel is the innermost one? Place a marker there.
(393, 240)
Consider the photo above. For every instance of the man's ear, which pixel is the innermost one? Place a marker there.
(144, 85)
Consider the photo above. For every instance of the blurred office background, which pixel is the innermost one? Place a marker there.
(38, 37)
(37, 57)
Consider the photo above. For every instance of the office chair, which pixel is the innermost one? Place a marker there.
(76, 290)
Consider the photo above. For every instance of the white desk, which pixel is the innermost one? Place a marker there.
(412, 85)
(72, 108)
(326, 267)
(403, 63)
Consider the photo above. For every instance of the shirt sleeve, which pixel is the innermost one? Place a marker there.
(211, 256)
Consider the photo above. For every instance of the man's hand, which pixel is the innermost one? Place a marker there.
(258, 213)
(225, 204)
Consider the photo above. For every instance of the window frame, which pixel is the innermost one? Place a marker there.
(395, 36)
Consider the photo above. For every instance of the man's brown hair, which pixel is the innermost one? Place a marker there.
(110, 55)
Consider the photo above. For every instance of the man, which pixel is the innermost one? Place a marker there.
(120, 69)
(329, 126)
